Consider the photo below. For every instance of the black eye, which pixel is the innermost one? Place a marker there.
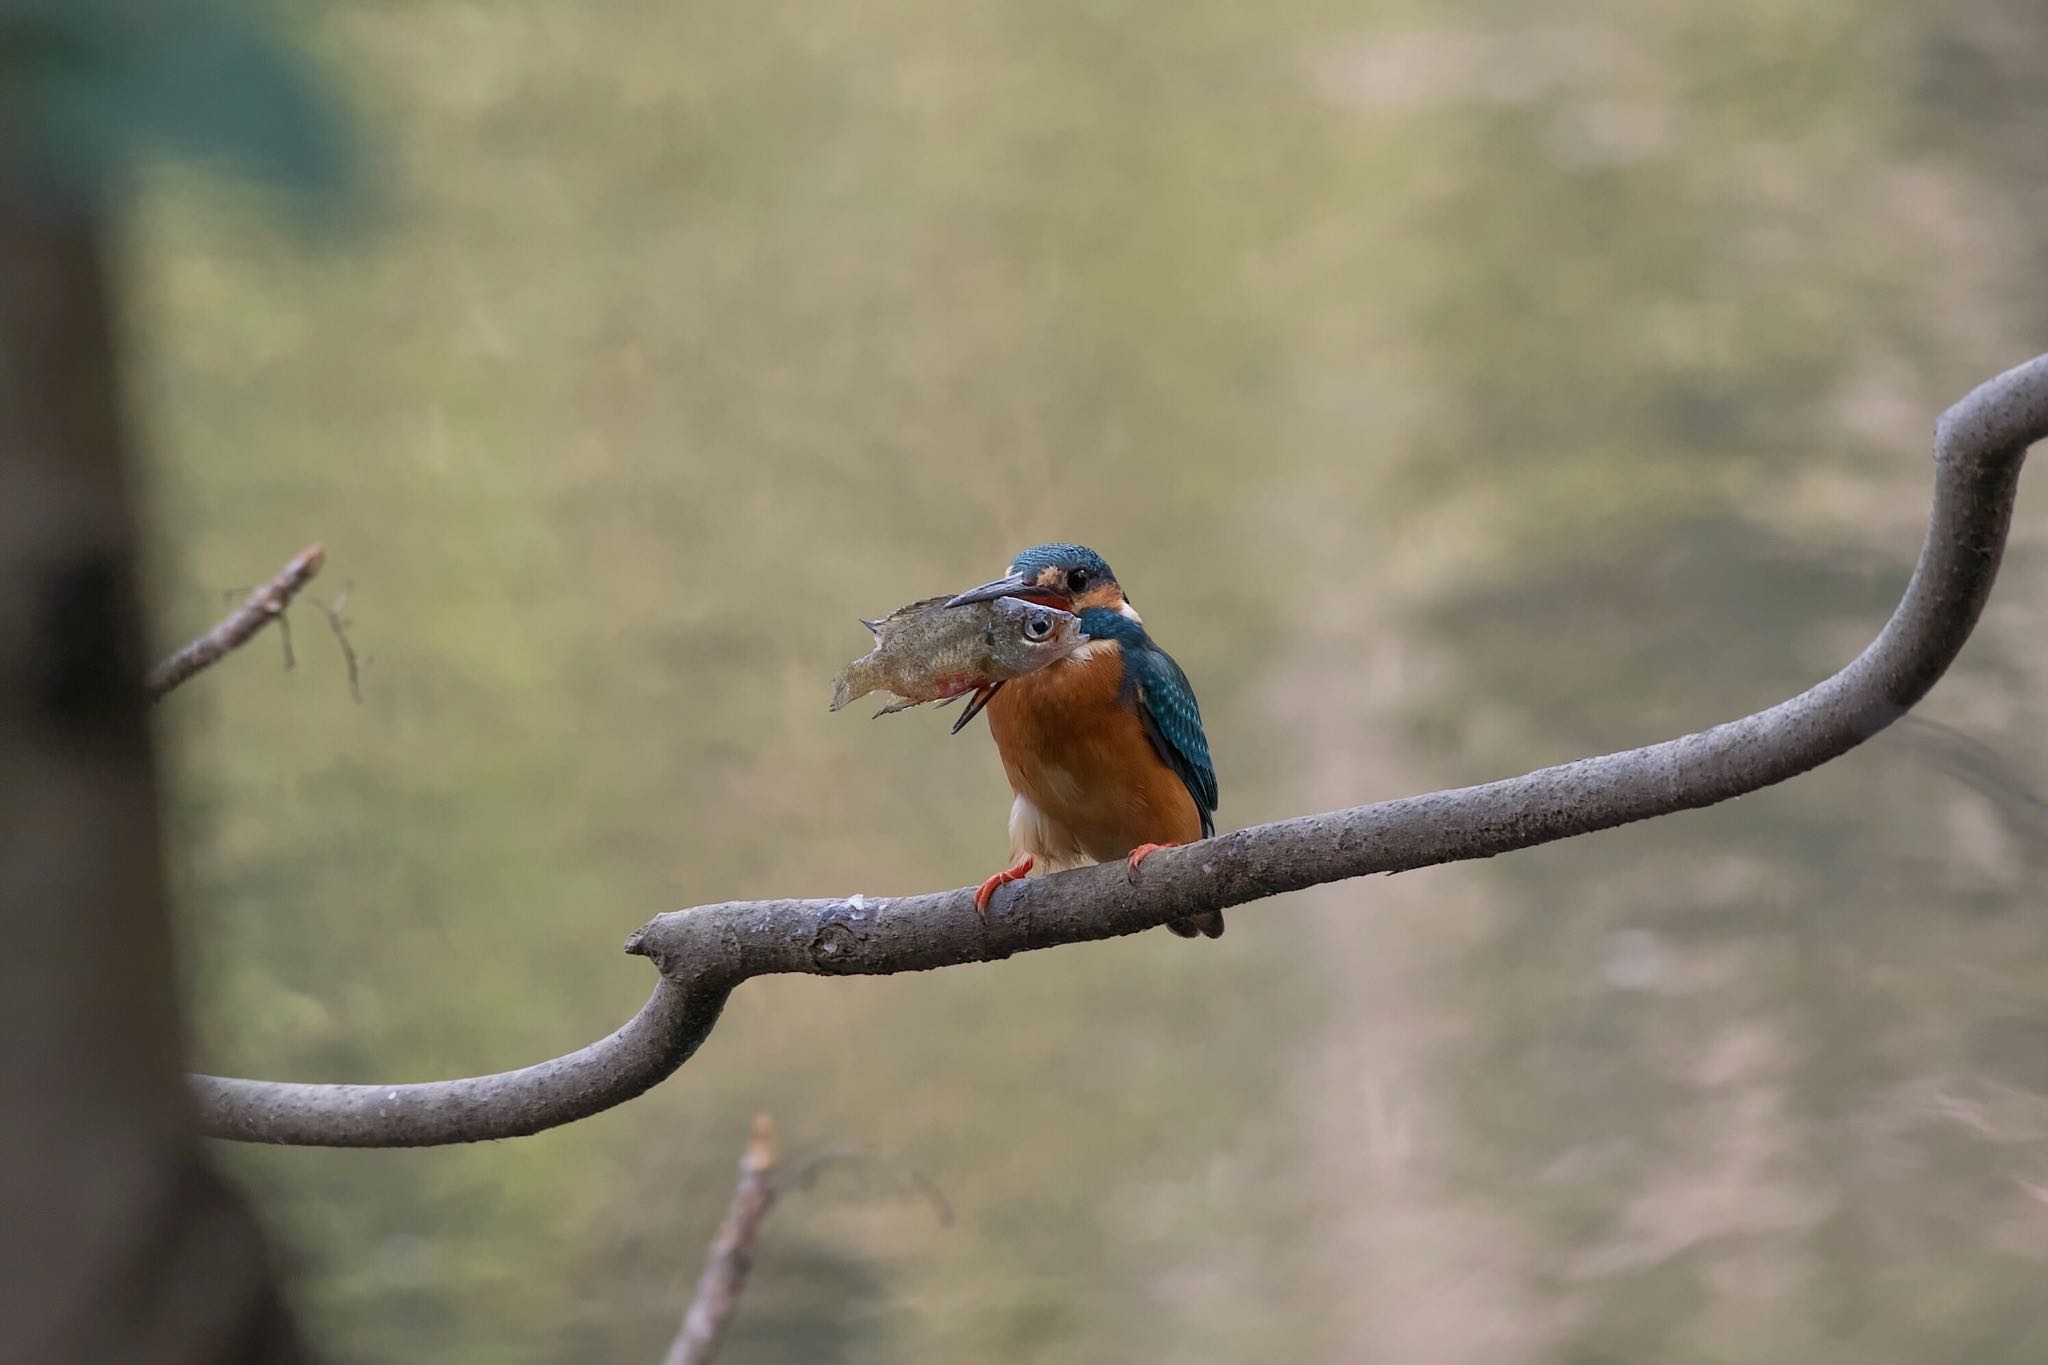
(1077, 579)
(1038, 627)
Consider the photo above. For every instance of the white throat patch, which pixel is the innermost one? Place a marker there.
(1092, 649)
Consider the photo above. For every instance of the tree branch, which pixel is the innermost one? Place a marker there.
(264, 605)
(650, 1046)
(703, 953)
(732, 1252)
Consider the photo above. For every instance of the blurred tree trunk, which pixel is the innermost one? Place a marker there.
(121, 1242)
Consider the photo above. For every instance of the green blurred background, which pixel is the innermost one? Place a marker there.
(1457, 388)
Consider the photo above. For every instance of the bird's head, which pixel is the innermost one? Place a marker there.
(1071, 577)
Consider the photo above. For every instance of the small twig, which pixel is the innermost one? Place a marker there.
(264, 605)
(1972, 762)
(805, 1175)
(284, 633)
(338, 623)
(732, 1252)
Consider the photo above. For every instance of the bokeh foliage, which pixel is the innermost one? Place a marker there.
(91, 89)
(1456, 391)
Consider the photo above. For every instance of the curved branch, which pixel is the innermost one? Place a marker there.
(644, 1051)
(704, 952)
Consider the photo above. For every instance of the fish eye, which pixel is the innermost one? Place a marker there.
(1077, 579)
(1038, 626)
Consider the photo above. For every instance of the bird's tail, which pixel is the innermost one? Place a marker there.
(855, 680)
(1208, 924)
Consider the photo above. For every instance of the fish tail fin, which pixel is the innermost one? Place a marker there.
(857, 679)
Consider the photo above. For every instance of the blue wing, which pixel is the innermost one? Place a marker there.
(1166, 703)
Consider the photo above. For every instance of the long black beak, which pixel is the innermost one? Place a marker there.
(1016, 585)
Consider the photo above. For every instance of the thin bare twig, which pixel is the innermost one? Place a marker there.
(805, 1174)
(338, 623)
(703, 953)
(264, 605)
(732, 1252)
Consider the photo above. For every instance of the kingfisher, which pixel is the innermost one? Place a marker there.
(1103, 748)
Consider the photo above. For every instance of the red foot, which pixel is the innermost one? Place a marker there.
(1141, 853)
(988, 888)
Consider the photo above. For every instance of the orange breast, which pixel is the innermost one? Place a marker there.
(1079, 755)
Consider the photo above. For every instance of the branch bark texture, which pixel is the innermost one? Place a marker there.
(264, 605)
(732, 1253)
(704, 952)
(647, 1049)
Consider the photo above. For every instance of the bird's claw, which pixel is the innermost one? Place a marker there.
(988, 888)
(1139, 854)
